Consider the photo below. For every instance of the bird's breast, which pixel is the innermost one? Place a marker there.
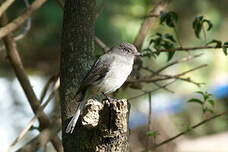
(118, 72)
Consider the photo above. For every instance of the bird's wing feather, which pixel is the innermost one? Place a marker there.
(97, 72)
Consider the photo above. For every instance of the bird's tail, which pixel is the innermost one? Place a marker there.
(74, 119)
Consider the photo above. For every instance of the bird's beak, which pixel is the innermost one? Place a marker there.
(138, 54)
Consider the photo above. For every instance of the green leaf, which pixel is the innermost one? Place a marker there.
(170, 18)
(224, 48)
(218, 44)
(211, 102)
(194, 100)
(200, 92)
(225, 44)
(170, 55)
(197, 25)
(147, 53)
(152, 133)
(206, 109)
(170, 37)
(163, 17)
(210, 25)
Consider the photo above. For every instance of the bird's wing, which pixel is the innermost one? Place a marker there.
(97, 72)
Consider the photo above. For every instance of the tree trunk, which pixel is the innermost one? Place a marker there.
(102, 127)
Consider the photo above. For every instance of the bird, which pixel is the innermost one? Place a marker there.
(105, 76)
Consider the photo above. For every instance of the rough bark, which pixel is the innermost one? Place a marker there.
(103, 127)
(99, 131)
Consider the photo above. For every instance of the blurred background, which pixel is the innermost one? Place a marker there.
(120, 21)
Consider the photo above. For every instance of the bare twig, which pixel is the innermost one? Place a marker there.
(27, 27)
(166, 89)
(53, 80)
(5, 5)
(16, 23)
(32, 121)
(149, 125)
(173, 63)
(42, 139)
(149, 22)
(25, 30)
(191, 70)
(189, 48)
(190, 129)
(165, 77)
(151, 91)
(17, 65)
(188, 58)
(101, 44)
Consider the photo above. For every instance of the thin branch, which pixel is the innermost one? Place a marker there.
(16, 23)
(185, 59)
(32, 121)
(149, 22)
(42, 139)
(190, 129)
(149, 125)
(191, 70)
(101, 44)
(165, 77)
(166, 89)
(188, 48)
(27, 27)
(5, 5)
(25, 30)
(151, 91)
(19, 70)
(53, 80)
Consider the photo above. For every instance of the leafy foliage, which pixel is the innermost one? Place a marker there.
(224, 47)
(169, 18)
(198, 25)
(158, 42)
(207, 103)
(219, 44)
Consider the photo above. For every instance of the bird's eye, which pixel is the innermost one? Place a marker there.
(127, 50)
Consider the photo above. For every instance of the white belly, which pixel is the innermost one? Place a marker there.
(117, 75)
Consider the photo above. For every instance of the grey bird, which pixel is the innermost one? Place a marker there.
(107, 75)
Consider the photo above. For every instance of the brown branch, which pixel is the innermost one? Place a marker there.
(188, 48)
(191, 70)
(101, 44)
(190, 129)
(151, 91)
(16, 23)
(166, 89)
(5, 5)
(149, 22)
(164, 77)
(44, 91)
(185, 59)
(27, 27)
(19, 70)
(149, 125)
(32, 121)
(42, 139)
